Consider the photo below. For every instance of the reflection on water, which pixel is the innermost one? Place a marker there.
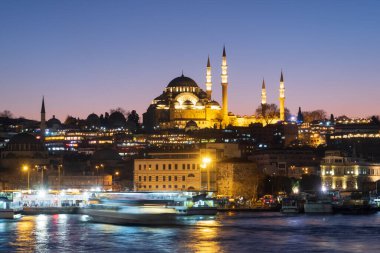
(244, 232)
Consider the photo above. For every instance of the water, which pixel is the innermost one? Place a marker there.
(243, 232)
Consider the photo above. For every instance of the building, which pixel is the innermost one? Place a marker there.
(80, 182)
(183, 102)
(176, 171)
(237, 177)
(341, 172)
(286, 162)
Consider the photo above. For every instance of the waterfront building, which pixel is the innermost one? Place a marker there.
(81, 182)
(286, 161)
(176, 171)
(342, 172)
(183, 104)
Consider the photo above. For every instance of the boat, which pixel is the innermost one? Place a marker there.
(318, 204)
(10, 205)
(355, 203)
(200, 204)
(148, 208)
(131, 212)
(291, 205)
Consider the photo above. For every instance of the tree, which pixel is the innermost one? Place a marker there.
(133, 121)
(268, 112)
(71, 121)
(121, 110)
(6, 114)
(314, 115)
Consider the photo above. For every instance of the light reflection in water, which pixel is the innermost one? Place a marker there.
(205, 237)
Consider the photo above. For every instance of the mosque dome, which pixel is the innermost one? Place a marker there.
(54, 123)
(199, 103)
(182, 81)
(213, 102)
(93, 120)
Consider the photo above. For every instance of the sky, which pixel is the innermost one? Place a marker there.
(89, 56)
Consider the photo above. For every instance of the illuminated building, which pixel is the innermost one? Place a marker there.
(176, 171)
(183, 101)
(341, 172)
(80, 182)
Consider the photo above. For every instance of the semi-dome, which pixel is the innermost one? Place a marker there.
(188, 102)
(213, 102)
(182, 81)
(199, 103)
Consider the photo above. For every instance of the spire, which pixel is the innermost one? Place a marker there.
(224, 51)
(282, 77)
(182, 73)
(208, 62)
(263, 86)
(263, 94)
(208, 79)
(43, 105)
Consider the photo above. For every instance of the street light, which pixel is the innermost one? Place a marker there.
(205, 162)
(26, 168)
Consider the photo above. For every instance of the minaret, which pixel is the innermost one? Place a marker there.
(282, 98)
(208, 79)
(263, 94)
(224, 78)
(43, 120)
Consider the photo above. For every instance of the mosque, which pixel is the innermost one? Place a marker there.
(184, 104)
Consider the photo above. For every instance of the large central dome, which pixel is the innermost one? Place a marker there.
(182, 81)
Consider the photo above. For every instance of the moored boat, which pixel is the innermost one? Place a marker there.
(10, 205)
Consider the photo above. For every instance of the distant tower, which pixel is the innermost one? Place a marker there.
(282, 98)
(208, 79)
(263, 94)
(43, 120)
(224, 78)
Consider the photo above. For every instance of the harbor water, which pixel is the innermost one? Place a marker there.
(228, 232)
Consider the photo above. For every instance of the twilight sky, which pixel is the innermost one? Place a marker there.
(92, 56)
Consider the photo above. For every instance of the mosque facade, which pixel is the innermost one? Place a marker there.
(184, 104)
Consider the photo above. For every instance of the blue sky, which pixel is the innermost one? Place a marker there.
(92, 56)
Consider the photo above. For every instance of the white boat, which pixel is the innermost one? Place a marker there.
(199, 204)
(10, 205)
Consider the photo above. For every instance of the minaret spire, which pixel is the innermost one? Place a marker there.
(43, 120)
(224, 77)
(282, 98)
(208, 79)
(263, 93)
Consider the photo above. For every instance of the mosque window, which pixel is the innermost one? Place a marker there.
(156, 178)
(183, 178)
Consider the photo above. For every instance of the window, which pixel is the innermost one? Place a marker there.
(191, 175)
(183, 166)
(150, 178)
(140, 178)
(188, 166)
(144, 178)
(164, 186)
(156, 178)
(193, 166)
(139, 166)
(163, 166)
(144, 166)
(156, 166)
(163, 178)
(183, 178)
(156, 186)
(150, 167)
(175, 178)
(176, 166)
(175, 186)
(170, 178)
(183, 186)
(170, 166)
(150, 186)
(170, 186)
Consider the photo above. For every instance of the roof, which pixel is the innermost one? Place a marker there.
(182, 81)
(24, 138)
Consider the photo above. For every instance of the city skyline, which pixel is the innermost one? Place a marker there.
(93, 57)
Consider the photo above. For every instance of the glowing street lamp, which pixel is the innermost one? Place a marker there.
(26, 169)
(205, 162)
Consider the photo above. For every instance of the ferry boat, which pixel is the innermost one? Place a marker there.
(147, 208)
(10, 205)
(318, 204)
